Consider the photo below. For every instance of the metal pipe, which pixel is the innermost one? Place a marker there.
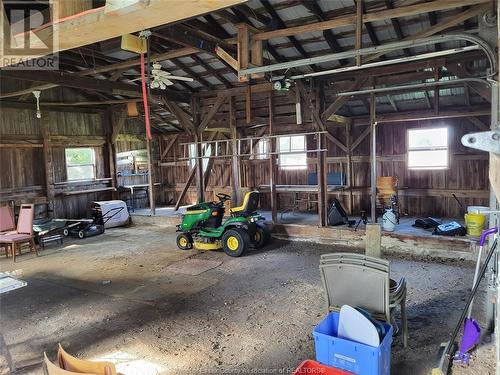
(415, 86)
(480, 43)
(387, 62)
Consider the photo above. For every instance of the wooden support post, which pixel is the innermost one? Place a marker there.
(373, 174)
(47, 157)
(109, 125)
(373, 240)
(436, 91)
(257, 57)
(272, 161)
(243, 41)
(348, 129)
(248, 104)
(151, 183)
(322, 183)
(235, 160)
(359, 29)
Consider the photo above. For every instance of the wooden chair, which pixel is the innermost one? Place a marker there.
(7, 224)
(50, 369)
(70, 363)
(23, 233)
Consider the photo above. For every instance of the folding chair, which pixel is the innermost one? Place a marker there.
(50, 369)
(361, 281)
(70, 363)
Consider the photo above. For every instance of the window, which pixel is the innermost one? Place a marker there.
(428, 148)
(80, 163)
(292, 152)
(192, 155)
(261, 150)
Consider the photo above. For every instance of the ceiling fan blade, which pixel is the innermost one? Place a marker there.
(186, 79)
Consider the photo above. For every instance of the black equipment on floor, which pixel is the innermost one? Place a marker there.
(337, 214)
(427, 223)
(363, 218)
(450, 229)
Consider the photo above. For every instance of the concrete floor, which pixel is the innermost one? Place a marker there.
(111, 297)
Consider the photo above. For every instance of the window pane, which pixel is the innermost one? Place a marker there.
(425, 138)
(284, 144)
(83, 172)
(78, 156)
(293, 161)
(297, 143)
(262, 149)
(428, 159)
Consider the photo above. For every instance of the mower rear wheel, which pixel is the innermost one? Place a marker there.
(184, 241)
(235, 242)
(262, 235)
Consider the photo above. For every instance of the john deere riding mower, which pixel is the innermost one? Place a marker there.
(202, 226)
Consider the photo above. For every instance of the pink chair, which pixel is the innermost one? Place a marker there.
(7, 224)
(23, 233)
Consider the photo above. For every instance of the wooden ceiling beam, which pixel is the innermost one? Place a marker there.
(329, 36)
(278, 23)
(350, 20)
(94, 84)
(80, 31)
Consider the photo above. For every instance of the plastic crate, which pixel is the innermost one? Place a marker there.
(349, 355)
(310, 367)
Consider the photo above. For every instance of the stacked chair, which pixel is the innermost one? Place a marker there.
(362, 281)
(69, 365)
(12, 237)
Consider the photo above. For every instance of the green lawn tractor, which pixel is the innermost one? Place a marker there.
(202, 226)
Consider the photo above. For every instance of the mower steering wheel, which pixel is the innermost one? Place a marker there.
(223, 197)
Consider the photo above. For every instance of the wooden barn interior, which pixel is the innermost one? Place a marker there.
(302, 128)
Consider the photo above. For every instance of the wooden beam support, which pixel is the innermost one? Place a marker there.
(225, 56)
(359, 29)
(81, 31)
(184, 190)
(243, 48)
(221, 99)
(272, 161)
(80, 82)
(180, 115)
(47, 158)
(387, 14)
(169, 146)
(340, 101)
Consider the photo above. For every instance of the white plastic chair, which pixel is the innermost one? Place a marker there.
(362, 281)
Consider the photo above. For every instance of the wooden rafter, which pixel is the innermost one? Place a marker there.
(388, 14)
(80, 32)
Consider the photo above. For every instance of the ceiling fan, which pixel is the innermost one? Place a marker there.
(160, 79)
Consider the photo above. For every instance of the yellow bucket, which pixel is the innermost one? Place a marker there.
(474, 224)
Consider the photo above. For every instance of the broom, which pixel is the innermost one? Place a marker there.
(447, 354)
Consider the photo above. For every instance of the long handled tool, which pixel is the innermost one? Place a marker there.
(472, 330)
(446, 357)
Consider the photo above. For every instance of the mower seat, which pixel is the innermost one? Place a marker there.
(249, 206)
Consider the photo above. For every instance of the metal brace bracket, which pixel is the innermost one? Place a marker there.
(488, 141)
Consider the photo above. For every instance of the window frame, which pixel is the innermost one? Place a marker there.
(291, 152)
(430, 148)
(68, 165)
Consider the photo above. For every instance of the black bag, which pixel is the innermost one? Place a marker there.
(450, 229)
(337, 214)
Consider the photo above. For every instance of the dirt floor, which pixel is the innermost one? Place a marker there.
(112, 297)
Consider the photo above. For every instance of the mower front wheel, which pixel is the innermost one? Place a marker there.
(184, 241)
(235, 242)
(262, 235)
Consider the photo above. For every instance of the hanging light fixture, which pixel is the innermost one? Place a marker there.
(37, 93)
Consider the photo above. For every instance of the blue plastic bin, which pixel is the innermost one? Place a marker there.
(349, 355)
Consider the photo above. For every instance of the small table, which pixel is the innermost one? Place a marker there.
(133, 188)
